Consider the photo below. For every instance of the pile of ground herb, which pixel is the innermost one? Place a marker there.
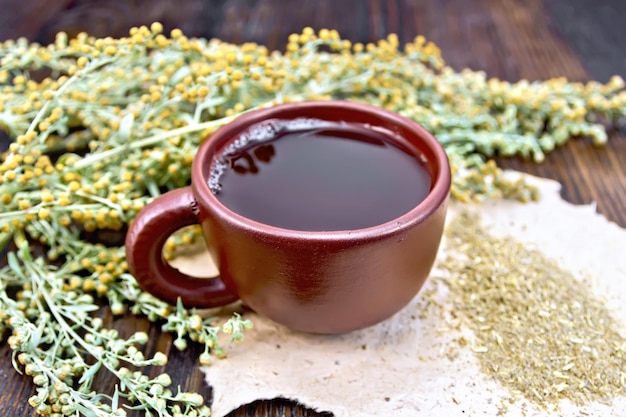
(538, 330)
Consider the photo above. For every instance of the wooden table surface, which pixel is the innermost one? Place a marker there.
(509, 39)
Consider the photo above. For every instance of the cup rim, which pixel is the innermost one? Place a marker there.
(437, 196)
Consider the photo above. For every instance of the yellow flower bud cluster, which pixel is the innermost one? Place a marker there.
(126, 115)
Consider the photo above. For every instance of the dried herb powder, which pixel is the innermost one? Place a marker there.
(538, 329)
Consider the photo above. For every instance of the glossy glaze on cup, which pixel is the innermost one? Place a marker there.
(322, 282)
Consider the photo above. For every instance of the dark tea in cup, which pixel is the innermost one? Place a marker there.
(308, 174)
(323, 216)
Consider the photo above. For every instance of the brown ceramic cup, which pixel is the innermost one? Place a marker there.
(320, 282)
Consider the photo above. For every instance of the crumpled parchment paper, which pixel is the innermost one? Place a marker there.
(410, 365)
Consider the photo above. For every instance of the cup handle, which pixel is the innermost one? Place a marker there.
(144, 253)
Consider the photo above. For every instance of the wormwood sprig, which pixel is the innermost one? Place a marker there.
(62, 346)
(113, 123)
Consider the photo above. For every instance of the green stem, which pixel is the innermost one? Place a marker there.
(152, 140)
(72, 335)
(19, 214)
(5, 238)
(62, 89)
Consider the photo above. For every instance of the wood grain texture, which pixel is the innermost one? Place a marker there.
(509, 39)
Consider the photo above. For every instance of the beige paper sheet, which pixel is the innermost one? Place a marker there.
(410, 366)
